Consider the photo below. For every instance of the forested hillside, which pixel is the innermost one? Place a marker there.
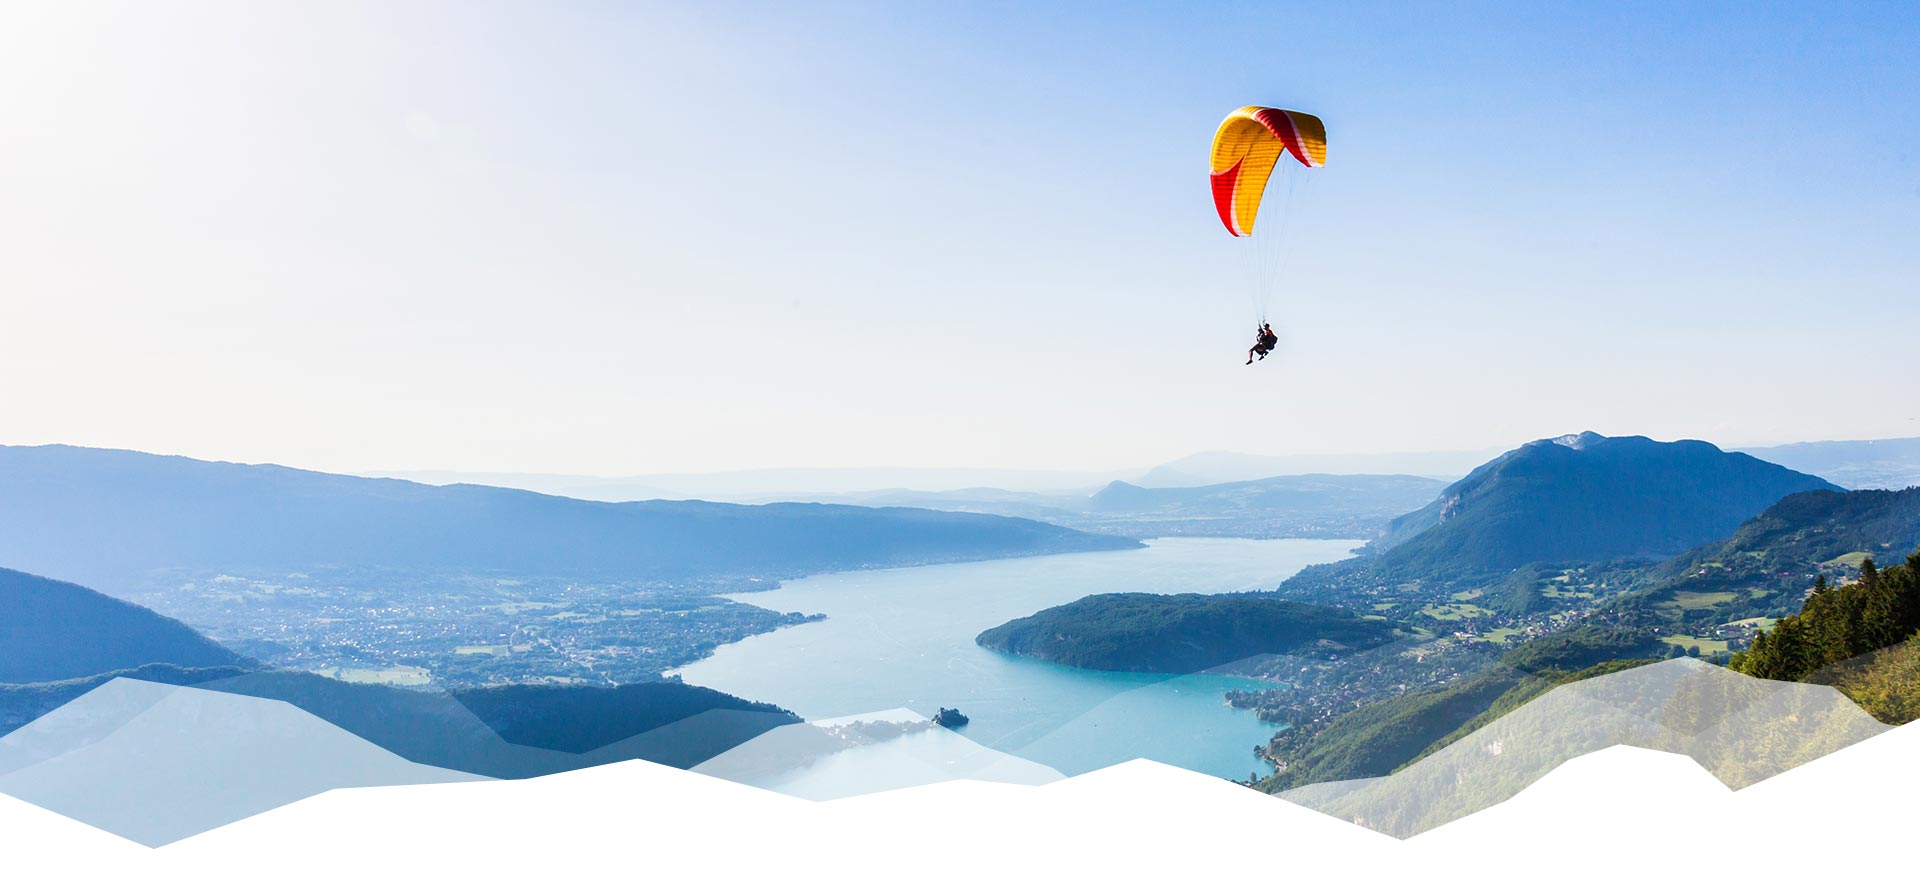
(1180, 633)
(51, 630)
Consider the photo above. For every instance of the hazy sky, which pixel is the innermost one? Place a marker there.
(624, 238)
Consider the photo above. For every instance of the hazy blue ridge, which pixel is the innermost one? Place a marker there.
(108, 517)
(1371, 494)
(1303, 505)
(1892, 463)
(51, 630)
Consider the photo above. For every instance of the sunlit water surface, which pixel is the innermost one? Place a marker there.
(904, 638)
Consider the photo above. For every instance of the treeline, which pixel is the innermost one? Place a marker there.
(1839, 623)
(1179, 634)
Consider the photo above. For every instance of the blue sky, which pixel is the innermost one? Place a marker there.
(607, 238)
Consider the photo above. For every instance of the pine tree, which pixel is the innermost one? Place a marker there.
(1836, 624)
(1824, 629)
(1880, 621)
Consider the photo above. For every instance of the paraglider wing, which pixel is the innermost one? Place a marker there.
(1244, 151)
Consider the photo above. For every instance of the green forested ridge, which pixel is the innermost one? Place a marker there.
(1146, 632)
(1580, 647)
(1383, 736)
(1377, 738)
(1768, 565)
(1530, 687)
(1836, 624)
(1387, 736)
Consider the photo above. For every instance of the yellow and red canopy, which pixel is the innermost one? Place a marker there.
(1245, 149)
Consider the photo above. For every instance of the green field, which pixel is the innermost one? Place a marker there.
(1851, 560)
(1708, 646)
(1692, 601)
(1500, 635)
(1554, 592)
(1455, 612)
(1468, 595)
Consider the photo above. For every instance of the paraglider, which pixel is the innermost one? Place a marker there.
(1247, 149)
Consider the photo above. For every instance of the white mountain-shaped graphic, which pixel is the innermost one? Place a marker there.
(867, 753)
(156, 763)
(1741, 729)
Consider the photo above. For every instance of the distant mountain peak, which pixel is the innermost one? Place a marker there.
(1580, 441)
(1611, 497)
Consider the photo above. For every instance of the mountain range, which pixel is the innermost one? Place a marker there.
(1298, 506)
(1686, 534)
(1580, 498)
(762, 485)
(1203, 469)
(1877, 464)
(107, 517)
(1621, 611)
(1587, 496)
(1855, 464)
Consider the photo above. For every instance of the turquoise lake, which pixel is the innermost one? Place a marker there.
(903, 638)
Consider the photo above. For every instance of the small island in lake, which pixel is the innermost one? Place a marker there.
(1180, 634)
(949, 718)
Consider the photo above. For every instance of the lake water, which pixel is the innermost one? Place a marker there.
(904, 638)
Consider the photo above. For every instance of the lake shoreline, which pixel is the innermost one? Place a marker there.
(903, 638)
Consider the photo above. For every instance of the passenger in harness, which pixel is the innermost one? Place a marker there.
(1263, 343)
